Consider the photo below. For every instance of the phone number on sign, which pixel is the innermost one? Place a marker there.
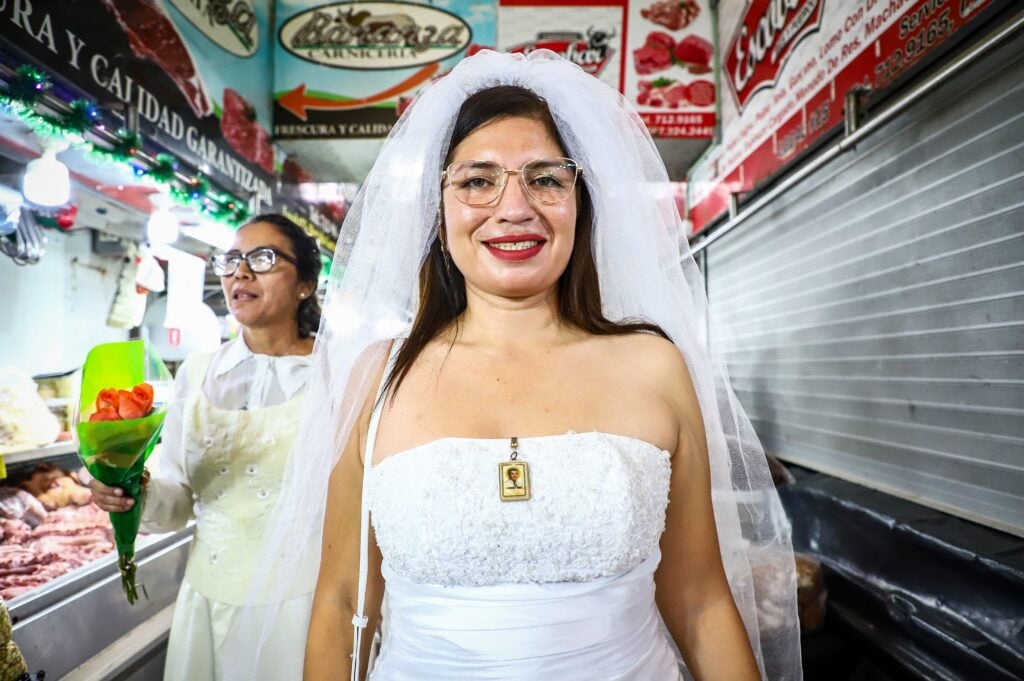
(917, 45)
(681, 130)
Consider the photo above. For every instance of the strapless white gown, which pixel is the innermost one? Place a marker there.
(559, 587)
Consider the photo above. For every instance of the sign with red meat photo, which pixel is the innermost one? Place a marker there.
(786, 70)
(589, 33)
(195, 71)
(669, 75)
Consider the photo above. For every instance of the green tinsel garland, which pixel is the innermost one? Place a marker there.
(81, 116)
(127, 144)
(28, 84)
(124, 148)
(43, 126)
(198, 186)
(163, 171)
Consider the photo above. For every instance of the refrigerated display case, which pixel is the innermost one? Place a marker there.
(78, 625)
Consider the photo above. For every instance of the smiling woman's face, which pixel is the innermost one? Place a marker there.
(516, 247)
(268, 299)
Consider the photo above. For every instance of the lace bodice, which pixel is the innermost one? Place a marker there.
(597, 510)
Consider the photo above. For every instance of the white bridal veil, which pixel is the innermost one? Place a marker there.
(646, 271)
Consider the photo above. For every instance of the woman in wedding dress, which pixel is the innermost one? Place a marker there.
(539, 470)
(511, 342)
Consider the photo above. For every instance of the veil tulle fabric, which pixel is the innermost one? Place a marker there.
(646, 271)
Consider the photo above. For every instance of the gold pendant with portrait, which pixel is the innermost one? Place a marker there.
(514, 476)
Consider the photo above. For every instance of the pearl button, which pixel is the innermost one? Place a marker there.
(221, 494)
(223, 470)
(214, 558)
(251, 470)
(263, 494)
(207, 442)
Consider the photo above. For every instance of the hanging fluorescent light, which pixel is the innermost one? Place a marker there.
(163, 227)
(47, 181)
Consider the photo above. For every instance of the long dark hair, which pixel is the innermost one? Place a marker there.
(307, 261)
(443, 289)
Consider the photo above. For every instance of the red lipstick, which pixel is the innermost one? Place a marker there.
(516, 255)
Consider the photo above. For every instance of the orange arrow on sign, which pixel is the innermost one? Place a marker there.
(297, 102)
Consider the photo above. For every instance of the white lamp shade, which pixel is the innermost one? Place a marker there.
(47, 181)
(163, 227)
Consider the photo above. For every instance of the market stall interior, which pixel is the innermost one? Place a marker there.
(72, 281)
(848, 176)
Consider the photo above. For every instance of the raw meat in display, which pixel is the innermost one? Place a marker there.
(68, 538)
(13, 558)
(243, 131)
(76, 551)
(672, 14)
(694, 53)
(55, 487)
(17, 504)
(15, 531)
(65, 491)
(655, 55)
(42, 477)
(71, 520)
(152, 36)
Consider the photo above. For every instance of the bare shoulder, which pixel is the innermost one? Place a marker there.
(659, 363)
(655, 357)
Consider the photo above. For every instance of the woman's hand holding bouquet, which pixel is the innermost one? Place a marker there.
(120, 417)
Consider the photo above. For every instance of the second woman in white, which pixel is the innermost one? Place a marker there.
(226, 440)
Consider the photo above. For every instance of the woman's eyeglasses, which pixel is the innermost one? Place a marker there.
(260, 261)
(481, 183)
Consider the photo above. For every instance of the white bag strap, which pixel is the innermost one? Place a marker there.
(359, 620)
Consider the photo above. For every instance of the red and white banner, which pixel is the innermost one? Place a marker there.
(786, 68)
(669, 76)
(590, 33)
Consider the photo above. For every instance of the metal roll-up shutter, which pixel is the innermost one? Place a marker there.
(872, 317)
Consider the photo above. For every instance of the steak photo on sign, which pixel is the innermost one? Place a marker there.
(152, 36)
(243, 132)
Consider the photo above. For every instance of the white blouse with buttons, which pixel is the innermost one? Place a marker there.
(236, 379)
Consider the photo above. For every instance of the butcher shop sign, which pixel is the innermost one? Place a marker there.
(789, 65)
(201, 104)
(589, 33)
(764, 39)
(347, 69)
(375, 35)
(670, 81)
(230, 24)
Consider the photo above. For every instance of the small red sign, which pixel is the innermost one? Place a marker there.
(591, 52)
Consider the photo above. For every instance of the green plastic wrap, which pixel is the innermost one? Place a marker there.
(115, 452)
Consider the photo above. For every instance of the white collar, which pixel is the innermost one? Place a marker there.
(289, 369)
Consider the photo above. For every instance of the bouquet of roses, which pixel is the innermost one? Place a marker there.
(121, 410)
